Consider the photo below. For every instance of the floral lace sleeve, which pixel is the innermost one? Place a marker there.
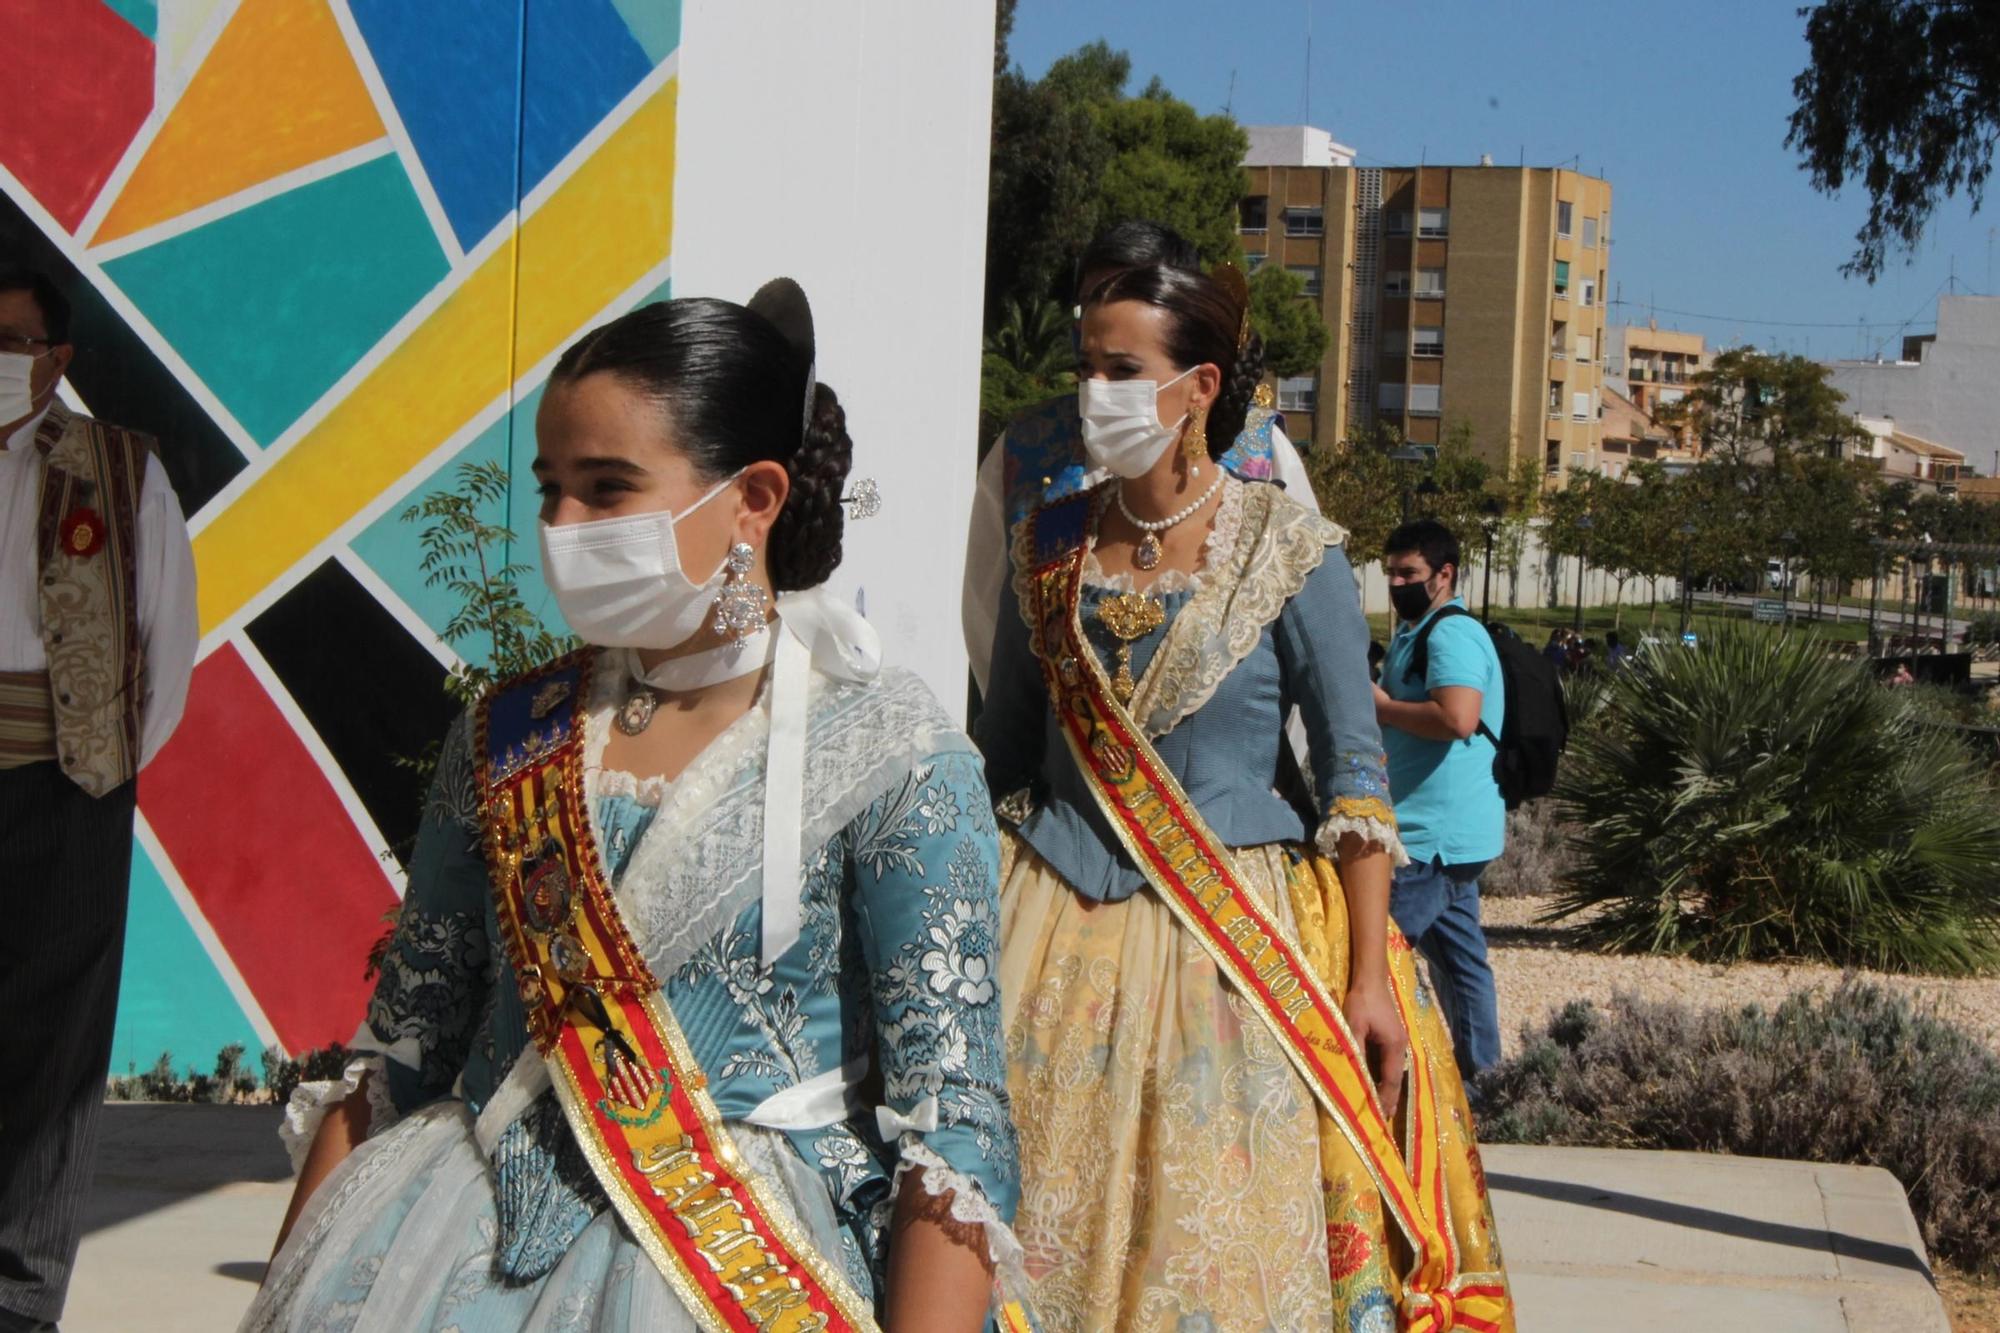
(437, 972)
(1322, 641)
(927, 860)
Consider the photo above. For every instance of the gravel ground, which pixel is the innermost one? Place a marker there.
(1536, 973)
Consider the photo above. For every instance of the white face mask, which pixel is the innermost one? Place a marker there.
(17, 393)
(1121, 423)
(619, 582)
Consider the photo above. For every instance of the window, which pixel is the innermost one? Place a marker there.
(1559, 341)
(1427, 341)
(1563, 210)
(1579, 406)
(1396, 283)
(1562, 279)
(1671, 396)
(1583, 347)
(1253, 214)
(1299, 394)
(1430, 284)
(1396, 222)
(1305, 222)
(1424, 400)
(1589, 292)
(1255, 261)
(1309, 273)
(1433, 222)
(1590, 233)
(1555, 398)
(1389, 397)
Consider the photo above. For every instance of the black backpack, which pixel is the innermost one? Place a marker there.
(1536, 725)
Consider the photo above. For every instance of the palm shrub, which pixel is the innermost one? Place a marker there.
(1756, 799)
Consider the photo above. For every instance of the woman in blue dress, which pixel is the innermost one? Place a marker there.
(689, 1019)
(1237, 1110)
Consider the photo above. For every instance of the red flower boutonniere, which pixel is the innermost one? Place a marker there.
(83, 533)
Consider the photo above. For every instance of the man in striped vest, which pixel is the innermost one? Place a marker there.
(97, 641)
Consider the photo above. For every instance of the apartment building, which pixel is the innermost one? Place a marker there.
(1472, 294)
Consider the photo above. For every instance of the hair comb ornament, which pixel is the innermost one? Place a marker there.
(1238, 287)
(863, 499)
(783, 302)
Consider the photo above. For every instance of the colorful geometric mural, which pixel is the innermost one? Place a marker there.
(325, 250)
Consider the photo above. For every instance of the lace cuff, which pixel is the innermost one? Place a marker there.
(969, 1205)
(1366, 817)
(311, 1101)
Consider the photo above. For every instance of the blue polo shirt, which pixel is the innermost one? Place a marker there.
(1447, 804)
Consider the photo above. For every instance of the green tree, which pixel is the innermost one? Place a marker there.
(1034, 340)
(1903, 97)
(1361, 488)
(1749, 406)
(1295, 337)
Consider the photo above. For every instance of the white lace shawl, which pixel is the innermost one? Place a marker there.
(700, 862)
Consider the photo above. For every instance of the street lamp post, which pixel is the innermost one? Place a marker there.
(1409, 453)
(1786, 540)
(1687, 577)
(1583, 525)
(1874, 599)
(1493, 509)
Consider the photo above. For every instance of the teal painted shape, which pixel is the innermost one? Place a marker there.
(272, 304)
(145, 16)
(170, 997)
(394, 550)
(655, 25)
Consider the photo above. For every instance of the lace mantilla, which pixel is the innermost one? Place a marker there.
(1278, 544)
(700, 862)
(1215, 549)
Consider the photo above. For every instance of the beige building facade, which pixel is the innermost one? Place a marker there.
(1454, 294)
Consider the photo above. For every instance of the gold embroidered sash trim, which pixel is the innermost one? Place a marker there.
(1195, 875)
(624, 1073)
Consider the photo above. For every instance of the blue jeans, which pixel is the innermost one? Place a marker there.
(1437, 908)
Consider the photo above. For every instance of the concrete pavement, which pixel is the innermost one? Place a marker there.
(188, 1199)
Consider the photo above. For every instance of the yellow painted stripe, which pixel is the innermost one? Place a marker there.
(604, 229)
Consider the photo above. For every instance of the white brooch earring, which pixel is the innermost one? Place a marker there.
(742, 607)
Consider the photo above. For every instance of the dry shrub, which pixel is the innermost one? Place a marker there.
(1857, 1075)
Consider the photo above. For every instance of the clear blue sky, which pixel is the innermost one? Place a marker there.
(1682, 107)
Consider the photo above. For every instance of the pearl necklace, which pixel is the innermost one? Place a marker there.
(1148, 554)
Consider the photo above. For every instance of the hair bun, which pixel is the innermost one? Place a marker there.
(805, 541)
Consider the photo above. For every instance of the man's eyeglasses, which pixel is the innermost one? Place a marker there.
(21, 342)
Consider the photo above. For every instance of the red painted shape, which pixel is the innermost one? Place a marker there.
(79, 83)
(269, 853)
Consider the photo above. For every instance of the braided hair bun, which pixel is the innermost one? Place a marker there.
(734, 386)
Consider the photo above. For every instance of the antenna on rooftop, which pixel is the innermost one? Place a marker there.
(1306, 91)
(1229, 103)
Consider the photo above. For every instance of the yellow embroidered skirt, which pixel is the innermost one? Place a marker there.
(1177, 1173)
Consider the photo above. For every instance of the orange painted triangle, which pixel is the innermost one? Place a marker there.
(278, 91)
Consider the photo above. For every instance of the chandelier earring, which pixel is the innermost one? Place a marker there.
(1194, 443)
(742, 607)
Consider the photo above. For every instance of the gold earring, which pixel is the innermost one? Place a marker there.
(1195, 441)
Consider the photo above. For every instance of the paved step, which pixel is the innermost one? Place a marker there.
(1645, 1241)
(188, 1199)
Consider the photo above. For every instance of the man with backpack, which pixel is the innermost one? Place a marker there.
(1442, 704)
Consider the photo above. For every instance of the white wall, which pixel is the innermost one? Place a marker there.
(1599, 588)
(851, 156)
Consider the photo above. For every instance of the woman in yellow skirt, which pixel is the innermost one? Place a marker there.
(1237, 1108)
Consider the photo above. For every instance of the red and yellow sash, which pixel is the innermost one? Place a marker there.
(1193, 872)
(629, 1084)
